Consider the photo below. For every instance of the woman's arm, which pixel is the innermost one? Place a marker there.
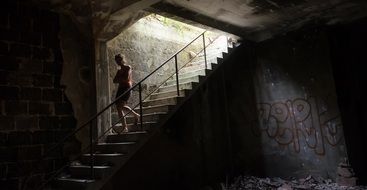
(117, 77)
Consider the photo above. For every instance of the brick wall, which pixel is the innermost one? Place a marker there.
(34, 111)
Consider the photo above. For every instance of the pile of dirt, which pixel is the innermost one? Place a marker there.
(317, 183)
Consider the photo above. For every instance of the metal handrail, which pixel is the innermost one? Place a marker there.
(189, 61)
(118, 98)
(139, 85)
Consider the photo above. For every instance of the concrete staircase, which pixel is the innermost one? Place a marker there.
(111, 155)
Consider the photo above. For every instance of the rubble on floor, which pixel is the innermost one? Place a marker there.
(250, 182)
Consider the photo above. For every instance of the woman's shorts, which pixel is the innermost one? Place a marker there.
(121, 90)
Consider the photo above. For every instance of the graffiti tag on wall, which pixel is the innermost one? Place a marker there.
(291, 122)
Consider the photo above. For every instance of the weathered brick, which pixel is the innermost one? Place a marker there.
(29, 93)
(8, 63)
(38, 26)
(48, 165)
(49, 122)
(52, 68)
(2, 107)
(60, 135)
(16, 107)
(53, 150)
(52, 95)
(26, 123)
(58, 55)
(3, 168)
(63, 109)
(35, 180)
(9, 35)
(43, 137)
(8, 154)
(33, 38)
(31, 12)
(60, 163)
(43, 80)
(12, 170)
(42, 54)
(9, 66)
(4, 77)
(67, 122)
(4, 48)
(57, 82)
(30, 65)
(29, 152)
(9, 184)
(7, 123)
(9, 6)
(71, 148)
(19, 138)
(9, 93)
(20, 79)
(3, 138)
(23, 168)
(39, 108)
(20, 50)
(19, 23)
(50, 40)
(4, 19)
(50, 29)
(48, 22)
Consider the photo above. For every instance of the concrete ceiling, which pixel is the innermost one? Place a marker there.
(261, 19)
(251, 19)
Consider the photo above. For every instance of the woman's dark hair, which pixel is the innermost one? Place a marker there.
(119, 56)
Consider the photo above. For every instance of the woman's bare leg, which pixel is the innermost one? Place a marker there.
(136, 115)
(121, 114)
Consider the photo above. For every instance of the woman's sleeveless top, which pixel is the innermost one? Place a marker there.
(126, 80)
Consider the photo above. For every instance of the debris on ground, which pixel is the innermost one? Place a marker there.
(308, 183)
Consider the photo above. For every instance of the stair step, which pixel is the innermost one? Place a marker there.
(182, 80)
(74, 183)
(191, 73)
(130, 136)
(103, 159)
(147, 126)
(84, 171)
(150, 117)
(183, 86)
(162, 101)
(168, 94)
(193, 67)
(155, 109)
(121, 147)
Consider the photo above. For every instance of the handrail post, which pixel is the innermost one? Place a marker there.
(177, 83)
(91, 151)
(141, 106)
(206, 65)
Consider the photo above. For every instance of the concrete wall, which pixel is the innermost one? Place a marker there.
(78, 73)
(35, 112)
(298, 117)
